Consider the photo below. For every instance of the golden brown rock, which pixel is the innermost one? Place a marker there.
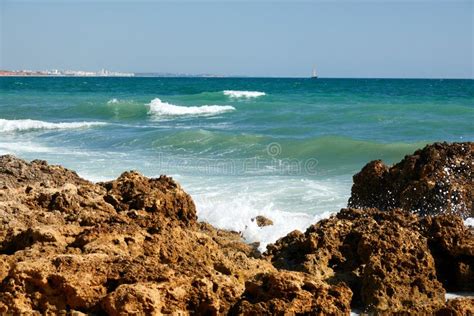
(129, 245)
(290, 293)
(139, 298)
(161, 199)
(381, 255)
(132, 245)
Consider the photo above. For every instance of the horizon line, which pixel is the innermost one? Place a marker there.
(151, 74)
(237, 77)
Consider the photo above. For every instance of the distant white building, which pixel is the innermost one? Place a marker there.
(80, 73)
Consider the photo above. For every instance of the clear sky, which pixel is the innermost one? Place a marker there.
(421, 39)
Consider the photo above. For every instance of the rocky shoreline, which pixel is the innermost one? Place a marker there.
(135, 246)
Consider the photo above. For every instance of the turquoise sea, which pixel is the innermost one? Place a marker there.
(283, 148)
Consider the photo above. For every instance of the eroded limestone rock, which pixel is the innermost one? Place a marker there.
(381, 255)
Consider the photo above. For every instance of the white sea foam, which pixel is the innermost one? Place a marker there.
(113, 101)
(232, 206)
(22, 147)
(450, 296)
(238, 215)
(25, 125)
(469, 221)
(160, 108)
(243, 94)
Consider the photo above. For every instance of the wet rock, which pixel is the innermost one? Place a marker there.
(436, 179)
(262, 221)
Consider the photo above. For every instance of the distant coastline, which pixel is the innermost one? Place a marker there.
(101, 73)
(63, 73)
(91, 74)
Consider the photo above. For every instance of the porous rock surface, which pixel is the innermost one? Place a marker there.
(393, 261)
(128, 246)
(290, 293)
(433, 180)
(134, 246)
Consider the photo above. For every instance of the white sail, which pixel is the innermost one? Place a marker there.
(314, 75)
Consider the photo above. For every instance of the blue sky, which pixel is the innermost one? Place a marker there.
(421, 39)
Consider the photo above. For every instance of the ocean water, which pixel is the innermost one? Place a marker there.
(242, 147)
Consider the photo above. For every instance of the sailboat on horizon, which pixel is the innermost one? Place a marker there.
(314, 75)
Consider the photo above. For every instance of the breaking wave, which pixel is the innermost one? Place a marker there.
(160, 108)
(286, 204)
(26, 125)
(243, 94)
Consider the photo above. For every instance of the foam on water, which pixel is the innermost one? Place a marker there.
(233, 206)
(160, 108)
(450, 296)
(25, 125)
(469, 221)
(22, 147)
(237, 214)
(224, 161)
(113, 101)
(243, 94)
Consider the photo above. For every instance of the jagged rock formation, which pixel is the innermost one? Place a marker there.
(436, 179)
(375, 252)
(393, 261)
(134, 245)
